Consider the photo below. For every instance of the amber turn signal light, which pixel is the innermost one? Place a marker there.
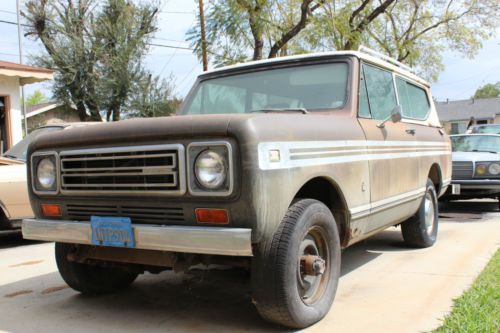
(51, 210)
(207, 215)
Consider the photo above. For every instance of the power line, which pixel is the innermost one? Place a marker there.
(14, 23)
(10, 54)
(7, 11)
(176, 12)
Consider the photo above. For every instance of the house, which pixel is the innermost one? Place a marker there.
(49, 113)
(455, 115)
(12, 77)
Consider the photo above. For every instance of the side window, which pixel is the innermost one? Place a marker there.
(364, 107)
(381, 94)
(413, 100)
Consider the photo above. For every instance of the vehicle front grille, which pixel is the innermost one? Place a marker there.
(462, 170)
(144, 215)
(155, 169)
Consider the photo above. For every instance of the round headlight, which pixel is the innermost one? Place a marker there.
(210, 169)
(46, 173)
(494, 169)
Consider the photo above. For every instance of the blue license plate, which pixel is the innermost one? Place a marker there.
(112, 231)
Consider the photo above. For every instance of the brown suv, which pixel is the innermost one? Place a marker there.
(272, 165)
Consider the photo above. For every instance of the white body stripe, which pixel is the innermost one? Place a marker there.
(361, 211)
(290, 160)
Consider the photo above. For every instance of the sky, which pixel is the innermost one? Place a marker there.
(459, 80)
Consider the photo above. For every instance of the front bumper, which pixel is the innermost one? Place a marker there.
(479, 184)
(201, 240)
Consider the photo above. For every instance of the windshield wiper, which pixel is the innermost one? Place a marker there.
(12, 157)
(484, 151)
(302, 110)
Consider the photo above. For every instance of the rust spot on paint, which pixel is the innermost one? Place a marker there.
(18, 293)
(53, 289)
(27, 263)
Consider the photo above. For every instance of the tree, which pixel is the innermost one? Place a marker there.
(239, 30)
(489, 90)
(152, 97)
(37, 97)
(96, 50)
(416, 32)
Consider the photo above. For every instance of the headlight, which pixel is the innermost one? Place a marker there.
(481, 170)
(46, 173)
(494, 169)
(210, 169)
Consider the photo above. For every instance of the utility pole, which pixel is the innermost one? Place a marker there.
(20, 41)
(203, 38)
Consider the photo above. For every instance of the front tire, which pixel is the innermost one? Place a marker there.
(421, 229)
(90, 279)
(295, 277)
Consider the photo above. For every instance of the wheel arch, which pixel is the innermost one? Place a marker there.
(327, 191)
(436, 176)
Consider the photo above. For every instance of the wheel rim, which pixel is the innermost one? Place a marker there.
(429, 211)
(313, 265)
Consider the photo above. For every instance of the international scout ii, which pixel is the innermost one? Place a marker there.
(272, 165)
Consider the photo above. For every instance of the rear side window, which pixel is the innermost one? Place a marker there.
(413, 100)
(381, 93)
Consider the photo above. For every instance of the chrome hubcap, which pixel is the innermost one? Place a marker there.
(313, 262)
(429, 212)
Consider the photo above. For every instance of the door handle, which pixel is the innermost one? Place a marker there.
(410, 131)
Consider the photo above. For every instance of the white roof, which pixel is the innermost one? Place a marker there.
(361, 55)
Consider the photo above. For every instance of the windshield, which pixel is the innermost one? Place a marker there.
(311, 87)
(19, 150)
(487, 143)
(488, 129)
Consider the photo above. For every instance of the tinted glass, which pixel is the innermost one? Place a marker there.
(312, 87)
(476, 143)
(492, 129)
(413, 100)
(381, 94)
(364, 107)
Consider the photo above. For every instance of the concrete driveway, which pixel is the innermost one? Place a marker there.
(384, 287)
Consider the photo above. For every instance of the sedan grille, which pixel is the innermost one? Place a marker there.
(123, 170)
(462, 170)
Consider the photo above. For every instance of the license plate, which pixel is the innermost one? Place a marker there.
(112, 231)
(455, 189)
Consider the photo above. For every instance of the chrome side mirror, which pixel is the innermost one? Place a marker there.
(395, 117)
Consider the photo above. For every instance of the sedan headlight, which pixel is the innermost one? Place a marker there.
(46, 173)
(494, 169)
(210, 169)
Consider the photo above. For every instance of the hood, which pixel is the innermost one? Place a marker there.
(9, 161)
(137, 130)
(462, 156)
(12, 173)
(246, 128)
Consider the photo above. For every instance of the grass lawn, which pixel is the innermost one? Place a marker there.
(478, 309)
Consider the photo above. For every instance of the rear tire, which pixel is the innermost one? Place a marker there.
(289, 289)
(90, 279)
(421, 229)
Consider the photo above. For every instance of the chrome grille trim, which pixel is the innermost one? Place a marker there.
(152, 169)
(462, 170)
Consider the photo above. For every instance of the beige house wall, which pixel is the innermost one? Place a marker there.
(9, 86)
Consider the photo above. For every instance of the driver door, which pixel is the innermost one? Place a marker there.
(391, 149)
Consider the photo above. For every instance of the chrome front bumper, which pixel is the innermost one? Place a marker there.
(480, 184)
(202, 240)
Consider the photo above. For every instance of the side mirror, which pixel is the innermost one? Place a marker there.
(395, 116)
